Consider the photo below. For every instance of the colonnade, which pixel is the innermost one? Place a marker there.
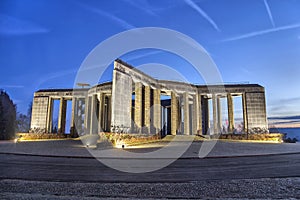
(189, 113)
(111, 107)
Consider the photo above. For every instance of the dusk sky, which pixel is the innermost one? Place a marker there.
(44, 42)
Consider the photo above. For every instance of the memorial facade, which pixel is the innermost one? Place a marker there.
(134, 102)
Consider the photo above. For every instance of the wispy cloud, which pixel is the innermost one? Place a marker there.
(262, 32)
(117, 20)
(135, 57)
(269, 12)
(11, 26)
(289, 100)
(142, 5)
(202, 13)
(285, 106)
(49, 77)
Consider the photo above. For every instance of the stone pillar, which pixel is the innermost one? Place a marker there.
(147, 102)
(80, 112)
(195, 112)
(163, 120)
(86, 115)
(73, 114)
(219, 112)
(156, 110)
(245, 117)
(100, 115)
(62, 115)
(138, 105)
(109, 113)
(49, 115)
(230, 113)
(215, 123)
(93, 116)
(199, 113)
(186, 113)
(207, 116)
(174, 114)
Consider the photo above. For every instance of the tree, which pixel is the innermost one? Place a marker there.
(23, 121)
(7, 117)
(29, 112)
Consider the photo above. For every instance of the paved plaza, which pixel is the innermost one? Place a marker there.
(75, 148)
(65, 169)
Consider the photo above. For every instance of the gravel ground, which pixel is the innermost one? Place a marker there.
(278, 188)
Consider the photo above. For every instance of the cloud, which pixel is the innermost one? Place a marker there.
(142, 5)
(135, 57)
(117, 20)
(290, 100)
(269, 13)
(262, 32)
(285, 106)
(48, 77)
(202, 13)
(13, 26)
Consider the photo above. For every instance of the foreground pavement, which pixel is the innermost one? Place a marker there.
(75, 148)
(66, 170)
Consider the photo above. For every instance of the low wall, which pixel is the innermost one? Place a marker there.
(274, 137)
(128, 139)
(40, 136)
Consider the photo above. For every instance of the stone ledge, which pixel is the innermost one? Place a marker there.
(274, 137)
(40, 136)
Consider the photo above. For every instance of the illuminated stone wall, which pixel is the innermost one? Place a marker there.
(110, 107)
(39, 114)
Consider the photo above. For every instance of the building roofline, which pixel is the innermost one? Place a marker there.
(135, 69)
(230, 85)
(63, 90)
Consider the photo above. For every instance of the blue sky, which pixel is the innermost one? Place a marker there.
(43, 43)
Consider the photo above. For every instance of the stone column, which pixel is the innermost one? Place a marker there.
(147, 102)
(49, 115)
(195, 111)
(245, 117)
(86, 115)
(163, 120)
(207, 113)
(215, 123)
(199, 113)
(93, 115)
(156, 110)
(219, 112)
(80, 112)
(186, 113)
(100, 112)
(109, 113)
(62, 115)
(230, 113)
(73, 114)
(174, 114)
(138, 105)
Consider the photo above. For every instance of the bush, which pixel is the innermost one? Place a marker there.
(290, 140)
